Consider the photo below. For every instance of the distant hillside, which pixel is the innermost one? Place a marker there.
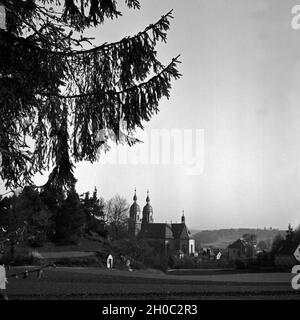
(223, 237)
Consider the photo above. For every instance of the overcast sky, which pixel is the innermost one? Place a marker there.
(241, 85)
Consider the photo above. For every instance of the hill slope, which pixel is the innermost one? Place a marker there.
(223, 237)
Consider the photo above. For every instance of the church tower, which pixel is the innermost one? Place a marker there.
(147, 212)
(134, 223)
(183, 217)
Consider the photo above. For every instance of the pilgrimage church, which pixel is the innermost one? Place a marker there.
(173, 238)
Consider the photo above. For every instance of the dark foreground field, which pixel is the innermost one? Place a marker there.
(94, 283)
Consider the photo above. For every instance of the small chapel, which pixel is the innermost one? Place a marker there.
(173, 238)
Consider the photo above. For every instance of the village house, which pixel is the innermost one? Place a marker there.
(240, 250)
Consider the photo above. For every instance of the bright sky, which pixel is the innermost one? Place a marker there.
(240, 84)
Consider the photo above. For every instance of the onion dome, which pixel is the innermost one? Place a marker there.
(134, 197)
(148, 211)
(135, 210)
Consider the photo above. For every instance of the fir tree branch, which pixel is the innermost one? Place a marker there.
(166, 69)
(109, 45)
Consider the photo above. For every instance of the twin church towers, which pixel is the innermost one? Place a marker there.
(136, 221)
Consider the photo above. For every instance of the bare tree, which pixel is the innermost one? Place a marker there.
(117, 216)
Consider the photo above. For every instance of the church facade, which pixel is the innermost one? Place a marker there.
(172, 238)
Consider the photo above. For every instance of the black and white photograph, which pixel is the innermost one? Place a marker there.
(149, 151)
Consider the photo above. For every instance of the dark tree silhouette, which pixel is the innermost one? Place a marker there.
(94, 209)
(26, 212)
(58, 95)
(69, 220)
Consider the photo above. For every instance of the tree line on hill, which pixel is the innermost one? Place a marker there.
(59, 217)
(223, 237)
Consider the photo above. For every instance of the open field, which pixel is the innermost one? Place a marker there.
(94, 283)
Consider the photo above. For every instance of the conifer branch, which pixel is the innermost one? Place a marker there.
(165, 70)
(106, 46)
